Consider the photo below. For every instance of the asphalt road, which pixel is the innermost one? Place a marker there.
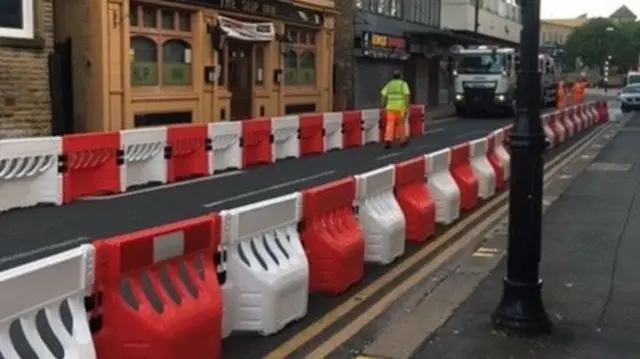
(36, 232)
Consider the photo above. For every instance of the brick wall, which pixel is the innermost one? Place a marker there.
(343, 54)
(25, 104)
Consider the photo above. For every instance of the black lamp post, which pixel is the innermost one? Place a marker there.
(521, 308)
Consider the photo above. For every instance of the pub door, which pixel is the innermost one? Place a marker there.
(240, 81)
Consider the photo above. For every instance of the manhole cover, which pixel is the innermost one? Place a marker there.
(610, 167)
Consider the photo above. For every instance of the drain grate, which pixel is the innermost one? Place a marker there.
(609, 167)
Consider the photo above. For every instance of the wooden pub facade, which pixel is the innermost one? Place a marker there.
(149, 62)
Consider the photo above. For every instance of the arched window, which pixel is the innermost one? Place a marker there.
(176, 62)
(160, 42)
(291, 68)
(144, 67)
(300, 62)
(307, 73)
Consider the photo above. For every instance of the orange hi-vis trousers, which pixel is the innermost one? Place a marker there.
(394, 128)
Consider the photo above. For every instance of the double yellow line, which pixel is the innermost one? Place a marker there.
(487, 215)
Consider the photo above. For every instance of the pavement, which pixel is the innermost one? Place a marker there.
(591, 241)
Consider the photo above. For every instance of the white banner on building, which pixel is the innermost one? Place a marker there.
(264, 31)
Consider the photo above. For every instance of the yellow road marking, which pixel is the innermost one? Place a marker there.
(317, 327)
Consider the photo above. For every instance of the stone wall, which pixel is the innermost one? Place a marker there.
(25, 104)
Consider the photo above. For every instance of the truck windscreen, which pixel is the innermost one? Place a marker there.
(481, 64)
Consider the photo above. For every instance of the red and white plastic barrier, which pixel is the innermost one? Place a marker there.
(29, 172)
(333, 132)
(174, 303)
(557, 127)
(267, 283)
(481, 168)
(286, 140)
(331, 236)
(380, 216)
(371, 132)
(462, 173)
(548, 131)
(443, 187)
(57, 170)
(226, 149)
(415, 199)
(177, 301)
(45, 287)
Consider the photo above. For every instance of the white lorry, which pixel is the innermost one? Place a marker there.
(485, 80)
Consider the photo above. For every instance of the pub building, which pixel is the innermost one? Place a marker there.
(147, 63)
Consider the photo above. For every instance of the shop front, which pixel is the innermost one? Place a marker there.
(164, 62)
(377, 57)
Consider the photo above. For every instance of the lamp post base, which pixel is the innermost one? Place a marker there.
(521, 309)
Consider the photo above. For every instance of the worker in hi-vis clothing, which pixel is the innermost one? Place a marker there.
(395, 100)
(561, 94)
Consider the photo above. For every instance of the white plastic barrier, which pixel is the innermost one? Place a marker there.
(502, 153)
(482, 168)
(267, 269)
(45, 286)
(29, 172)
(567, 121)
(332, 124)
(548, 132)
(144, 160)
(582, 114)
(380, 216)
(577, 120)
(286, 142)
(443, 187)
(594, 112)
(370, 126)
(226, 152)
(558, 127)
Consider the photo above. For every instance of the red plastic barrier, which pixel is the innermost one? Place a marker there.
(417, 119)
(187, 151)
(256, 142)
(180, 320)
(331, 236)
(603, 112)
(463, 175)
(495, 162)
(352, 129)
(311, 134)
(90, 164)
(415, 200)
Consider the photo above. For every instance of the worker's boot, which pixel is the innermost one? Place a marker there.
(387, 144)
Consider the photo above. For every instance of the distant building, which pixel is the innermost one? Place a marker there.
(623, 14)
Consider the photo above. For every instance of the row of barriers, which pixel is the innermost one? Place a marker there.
(57, 170)
(175, 291)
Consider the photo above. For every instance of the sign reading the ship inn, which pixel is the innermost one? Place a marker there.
(267, 8)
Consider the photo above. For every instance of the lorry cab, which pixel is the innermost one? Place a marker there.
(484, 79)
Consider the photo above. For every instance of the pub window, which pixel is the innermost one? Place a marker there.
(259, 65)
(307, 72)
(160, 42)
(144, 70)
(16, 19)
(176, 63)
(291, 68)
(300, 62)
